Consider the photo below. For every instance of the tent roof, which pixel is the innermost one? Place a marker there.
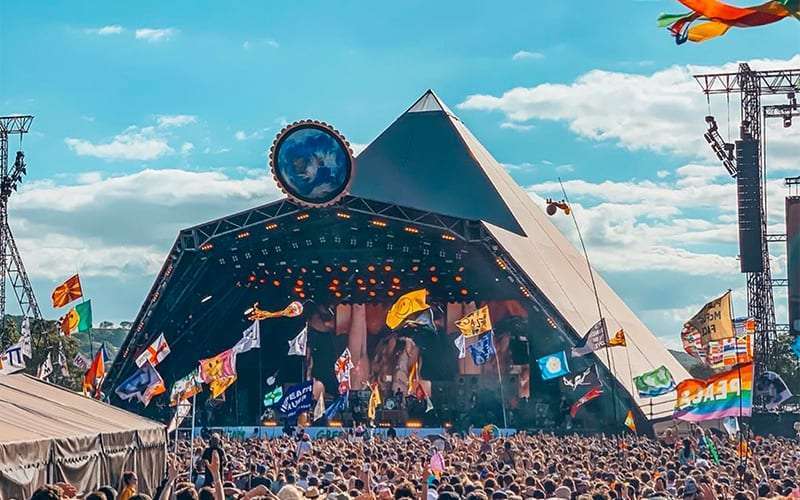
(33, 410)
(443, 167)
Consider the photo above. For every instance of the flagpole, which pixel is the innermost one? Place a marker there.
(739, 372)
(609, 360)
(191, 439)
(500, 380)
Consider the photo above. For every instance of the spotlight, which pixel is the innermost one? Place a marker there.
(301, 295)
(458, 278)
(303, 270)
(335, 281)
(414, 268)
(387, 268)
(338, 295)
(371, 268)
(328, 269)
(303, 216)
(372, 293)
(373, 281)
(432, 269)
(206, 247)
(390, 293)
(276, 282)
(242, 235)
(411, 229)
(434, 279)
(378, 223)
(448, 237)
(271, 226)
(342, 215)
(344, 269)
(464, 291)
(205, 299)
(396, 280)
(251, 278)
(299, 283)
(359, 281)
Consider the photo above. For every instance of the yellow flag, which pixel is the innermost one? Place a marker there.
(219, 385)
(618, 339)
(374, 401)
(714, 321)
(630, 423)
(475, 323)
(412, 377)
(405, 306)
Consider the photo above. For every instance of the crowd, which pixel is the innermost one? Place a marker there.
(701, 465)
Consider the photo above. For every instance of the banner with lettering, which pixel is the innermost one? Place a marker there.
(729, 394)
(297, 399)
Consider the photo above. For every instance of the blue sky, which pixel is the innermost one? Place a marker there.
(153, 116)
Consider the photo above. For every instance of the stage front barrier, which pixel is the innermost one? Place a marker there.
(261, 432)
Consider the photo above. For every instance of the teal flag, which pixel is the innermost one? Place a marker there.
(84, 310)
(654, 383)
(272, 397)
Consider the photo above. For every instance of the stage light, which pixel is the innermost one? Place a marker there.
(464, 291)
(271, 226)
(551, 322)
(335, 281)
(205, 299)
(434, 279)
(334, 423)
(269, 423)
(373, 281)
(303, 216)
(396, 280)
(301, 295)
(387, 268)
(432, 269)
(448, 237)
(344, 269)
(303, 270)
(501, 263)
(414, 268)
(206, 247)
(338, 295)
(276, 282)
(390, 293)
(251, 278)
(458, 278)
(448, 425)
(525, 291)
(243, 234)
(461, 269)
(288, 270)
(299, 283)
(359, 281)
(328, 269)
(414, 424)
(342, 215)
(297, 289)
(262, 280)
(371, 268)
(378, 223)
(411, 229)
(371, 293)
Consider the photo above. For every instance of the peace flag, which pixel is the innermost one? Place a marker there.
(272, 397)
(218, 386)
(618, 340)
(405, 306)
(725, 395)
(67, 292)
(593, 393)
(630, 423)
(185, 388)
(475, 323)
(374, 401)
(220, 366)
(654, 383)
(155, 352)
(553, 365)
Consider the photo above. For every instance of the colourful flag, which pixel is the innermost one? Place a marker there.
(343, 366)
(293, 310)
(273, 397)
(155, 352)
(297, 346)
(554, 365)
(297, 399)
(374, 401)
(95, 374)
(405, 306)
(251, 339)
(220, 385)
(81, 361)
(337, 406)
(630, 423)
(618, 340)
(437, 463)
(67, 292)
(413, 377)
(144, 384)
(77, 319)
(461, 345)
(714, 356)
(475, 323)
(596, 338)
(724, 395)
(588, 377)
(12, 359)
(744, 326)
(185, 388)
(654, 383)
(593, 393)
(220, 366)
(693, 344)
(483, 349)
(731, 425)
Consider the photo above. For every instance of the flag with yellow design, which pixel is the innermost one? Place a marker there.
(475, 323)
(374, 401)
(220, 366)
(78, 319)
(630, 423)
(405, 306)
(67, 292)
(618, 340)
(412, 377)
(219, 385)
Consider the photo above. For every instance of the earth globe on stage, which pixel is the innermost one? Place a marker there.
(312, 163)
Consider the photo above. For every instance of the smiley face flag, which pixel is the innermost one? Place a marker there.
(406, 305)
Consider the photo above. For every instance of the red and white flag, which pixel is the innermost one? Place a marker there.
(592, 394)
(155, 352)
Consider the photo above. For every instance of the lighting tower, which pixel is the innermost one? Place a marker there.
(11, 267)
(750, 172)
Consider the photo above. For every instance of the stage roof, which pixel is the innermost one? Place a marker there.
(427, 167)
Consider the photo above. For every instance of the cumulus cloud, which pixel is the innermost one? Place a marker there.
(527, 55)
(132, 144)
(519, 127)
(153, 35)
(112, 29)
(167, 121)
(662, 111)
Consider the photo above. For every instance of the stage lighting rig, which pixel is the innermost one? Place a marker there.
(723, 150)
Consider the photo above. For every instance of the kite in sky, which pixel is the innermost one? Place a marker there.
(712, 18)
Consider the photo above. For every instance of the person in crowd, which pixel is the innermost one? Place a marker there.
(129, 485)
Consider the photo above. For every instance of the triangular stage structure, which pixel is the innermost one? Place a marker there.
(426, 174)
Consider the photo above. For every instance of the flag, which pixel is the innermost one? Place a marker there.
(25, 339)
(405, 306)
(251, 339)
(186, 387)
(220, 385)
(744, 349)
(374, 401)
(319, 408)
(144, 384)
(588, 377)
(436, 465)
(155, 352)
(744, 326)
(80, 361)
(475, 323)
(796, 346)
(422, 319)
(343, 366)
(554, 365)
(482, 350)
(428, 404)
(67, 292)
(731, 425)
(297, 346)
(12, 360)
(273, 397)
(413, 378)
(714, 355)
(596, 338)
(45, 369)
(77, 319)
(742, 450)
(654, 383)
(713, 321)
(293, 310)
(95, 374)
(62, 361)
(630, 423)
(461, 345)
(693, 344)
(297, 399)
(220, 366)
(593, 393)
(618, 340)
(181, 412)
(336, 407)
(724, 395)
(712, 448)
(729, 352)
(771, 390)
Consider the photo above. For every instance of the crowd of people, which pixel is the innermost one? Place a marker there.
(700, 465)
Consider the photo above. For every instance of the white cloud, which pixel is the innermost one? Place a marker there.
(112, 29)
(241, 135)
(132, 144)
(527, 55)
(519, 127)
(89, 177)
(269, 42)
(155, 34)
(565, 168)
(662, 174)
(166, 121)
(187, 148)
(662, 111)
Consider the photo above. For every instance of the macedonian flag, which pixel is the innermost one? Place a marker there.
(405, 306)
(67, 292)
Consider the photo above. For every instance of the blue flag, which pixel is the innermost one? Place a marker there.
(142, 385)
(554, 365)
(796, 346)
(337, 406)
(297, 399)
(482, 350)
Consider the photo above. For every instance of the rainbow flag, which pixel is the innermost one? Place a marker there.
(729, 394)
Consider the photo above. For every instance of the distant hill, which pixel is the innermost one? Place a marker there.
(111, 337)
(692, 365)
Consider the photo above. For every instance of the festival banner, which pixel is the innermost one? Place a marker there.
(724, 395)
(654, 383)
(297, 346)
(220, 385)
(298, 398)
(713, 321)
(273, 397)
(220, 366)
(482, 350)
(475, 323)
(95, 374)
(144, 385)
(155, 352)
(618, 340)
(405, 306)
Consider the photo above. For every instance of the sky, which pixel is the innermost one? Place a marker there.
(155, 116)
